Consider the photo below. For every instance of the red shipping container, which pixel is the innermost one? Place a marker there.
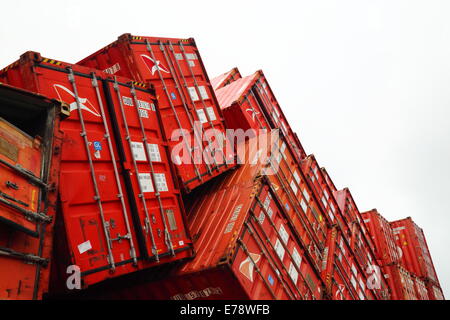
(401, 282)
(247, 246)
(174, 67)
(434, 291)
(324, 194)
(328, 180)
(225, 78)
(249, 103)
(421, 289)
(344, 277)
(415, 255)
(30, 144)
(386, 250)
(360, 236)
(106, 173)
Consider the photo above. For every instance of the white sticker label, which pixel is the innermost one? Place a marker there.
(353, 281)
(161, 183)
(282, 149)
(294, 187)
(85, 246)
(127, 101)
(269, 212)
(145, 180)
(202, 116)
(324, 201)
(155, 156)
(191, 56)
(306, 195)
(229, 228)
(211, 114)
(297, 258)
(144, 105)
(191, 63)
(261, 217)
(193, 93)
(143, 113)
(304, 206)
(279, 249)
(296, 177)
(267, 201)
(283, 234)
(203, 92)
(332, 207)
(293, 273)
(179, 56)
(112, 70)
(138, 151)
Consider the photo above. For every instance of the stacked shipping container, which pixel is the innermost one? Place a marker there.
(249, 103)
(415, 255)
(187, 102)
(145, 129)
(248, 240)
(120, 206)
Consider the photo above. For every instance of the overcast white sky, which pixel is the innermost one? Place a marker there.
(366, 84)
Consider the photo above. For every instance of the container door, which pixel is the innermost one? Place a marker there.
(94, 205)
(187, 102)
(160, 212)
(20, 179)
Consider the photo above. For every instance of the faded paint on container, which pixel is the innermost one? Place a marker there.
(121, 208)
(226, 78)
(185, 95)
(415, 255)
(386, 250)
(30, 129)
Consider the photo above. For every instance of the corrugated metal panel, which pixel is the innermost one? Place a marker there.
(386, 249)
(234, 91)
(225, 78)
(246, 243)
(415, 256)
(186, 100)
(324, 194)
(119, 202)
(400, 281)
(25, 257)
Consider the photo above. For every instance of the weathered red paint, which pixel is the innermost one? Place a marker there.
(434, 291)
(318, 183)
(185, 95)
(249, 103)
(31, 141)
(386, 250)
(421, 289)
(110, 231)
(247, 246)
(225, 78)
(345, 278)
(415, 255)
(401, 282)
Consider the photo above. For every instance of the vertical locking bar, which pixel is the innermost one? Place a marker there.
(167, 237)
(181, 95)
(141, 189)
(197, 172)
(97, 197)
(202, 100)
(116, 171)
